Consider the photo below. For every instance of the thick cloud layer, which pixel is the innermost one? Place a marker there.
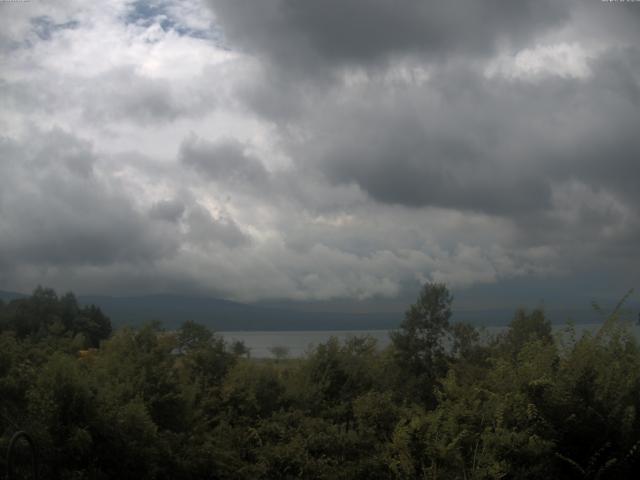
(57, 211)
(318, 35)
(318, 150)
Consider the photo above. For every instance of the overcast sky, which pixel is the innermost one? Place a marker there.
(320, 150)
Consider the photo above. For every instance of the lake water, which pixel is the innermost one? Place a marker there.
(299, 343)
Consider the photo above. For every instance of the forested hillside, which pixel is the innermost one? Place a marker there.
(438, 403)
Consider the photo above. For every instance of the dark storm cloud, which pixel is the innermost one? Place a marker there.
(401, 158)
(461, 140)
(55, 211)
(315, 35)
(493, 145)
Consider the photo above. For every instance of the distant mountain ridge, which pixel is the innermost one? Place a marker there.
(226, 315)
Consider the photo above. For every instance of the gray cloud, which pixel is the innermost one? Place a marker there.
(121, 94)
(493, 145)
(397, 158)
(305, 47)
(224, 161)
(525, 147)
(337, 149)
(238, 173)
(117, 95)
(56, 211)
(316, 35)
(554, 153)
(167, 210)
(205, 230)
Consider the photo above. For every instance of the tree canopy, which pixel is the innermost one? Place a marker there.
(442, 401)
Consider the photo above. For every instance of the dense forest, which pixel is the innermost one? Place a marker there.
(441, 401)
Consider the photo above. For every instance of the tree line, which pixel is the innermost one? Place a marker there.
(441, 401)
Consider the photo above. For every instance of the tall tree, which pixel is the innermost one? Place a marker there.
(420, 341)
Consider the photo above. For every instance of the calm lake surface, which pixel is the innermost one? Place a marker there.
(299, 343)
